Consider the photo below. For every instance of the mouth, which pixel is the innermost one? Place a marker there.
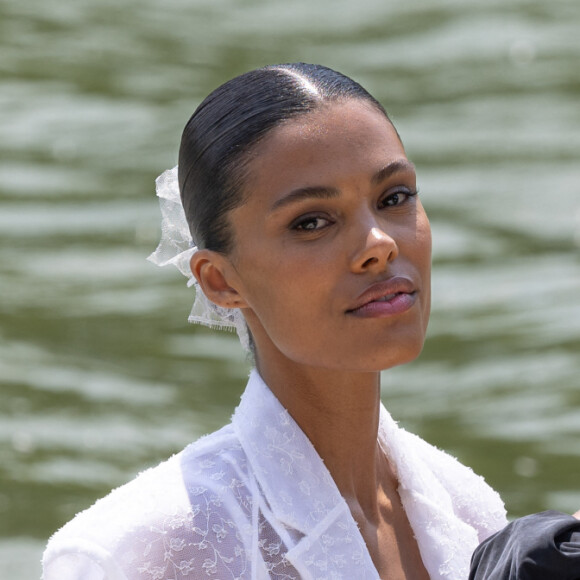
(392, 296)
(388, 297)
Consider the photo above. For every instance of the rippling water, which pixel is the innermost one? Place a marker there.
(99, 374)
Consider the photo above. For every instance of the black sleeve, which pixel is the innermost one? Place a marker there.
(544, 546)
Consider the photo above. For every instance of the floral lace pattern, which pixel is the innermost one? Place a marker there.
(255, 501)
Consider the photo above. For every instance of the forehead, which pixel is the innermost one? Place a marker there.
(323, 147)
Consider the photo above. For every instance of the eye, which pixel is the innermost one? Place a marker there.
(396, 198)
(310, 223)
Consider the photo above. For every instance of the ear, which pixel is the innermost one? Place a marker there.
(215, 275)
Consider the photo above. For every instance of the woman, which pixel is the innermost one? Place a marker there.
(309, 239)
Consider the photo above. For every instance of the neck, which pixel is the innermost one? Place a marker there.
(339, 413)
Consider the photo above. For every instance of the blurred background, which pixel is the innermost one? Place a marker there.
(100, 375)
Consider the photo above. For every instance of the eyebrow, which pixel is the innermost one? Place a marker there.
(322, 192)
(392, 168)
(314, 192)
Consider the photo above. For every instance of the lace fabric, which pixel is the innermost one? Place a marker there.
(255, 501)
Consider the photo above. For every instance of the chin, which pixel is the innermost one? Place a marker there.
(403, 354)
(384, 359)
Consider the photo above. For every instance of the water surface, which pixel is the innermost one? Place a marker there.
(100, 375)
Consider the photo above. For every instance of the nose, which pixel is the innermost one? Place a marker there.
(379, 249)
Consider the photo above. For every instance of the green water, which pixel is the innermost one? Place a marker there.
(100, 375)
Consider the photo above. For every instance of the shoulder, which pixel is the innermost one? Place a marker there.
(154, 521)
(94, 536)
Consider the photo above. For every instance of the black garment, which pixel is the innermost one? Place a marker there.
(544, 546)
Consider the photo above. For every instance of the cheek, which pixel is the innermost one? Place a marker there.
(273, 285)
(287, 297)
(426, 274)
(421, 257)
(423, 238)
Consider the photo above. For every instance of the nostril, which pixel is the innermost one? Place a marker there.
(370, 261)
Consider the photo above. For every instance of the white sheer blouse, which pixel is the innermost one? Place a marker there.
(255, 501)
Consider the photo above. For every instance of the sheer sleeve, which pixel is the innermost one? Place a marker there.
(137, 532)
(185, 519)
(79, 560)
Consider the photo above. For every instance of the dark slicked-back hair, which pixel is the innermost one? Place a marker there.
(219, 136)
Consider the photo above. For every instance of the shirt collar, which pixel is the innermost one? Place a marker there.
(299, 489)
(302, 494)
(297, 485)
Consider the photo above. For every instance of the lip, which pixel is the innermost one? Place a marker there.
(386, 298)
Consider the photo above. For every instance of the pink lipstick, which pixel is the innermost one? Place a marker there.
(393, 296)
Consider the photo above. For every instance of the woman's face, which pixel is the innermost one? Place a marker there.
(332, 248)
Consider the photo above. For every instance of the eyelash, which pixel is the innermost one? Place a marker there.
(408, 194)
(301, 223)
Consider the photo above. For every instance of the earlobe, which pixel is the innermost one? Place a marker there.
(212, 270)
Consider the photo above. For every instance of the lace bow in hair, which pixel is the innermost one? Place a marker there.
(176, 248)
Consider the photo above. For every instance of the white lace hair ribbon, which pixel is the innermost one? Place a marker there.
(176, 248)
